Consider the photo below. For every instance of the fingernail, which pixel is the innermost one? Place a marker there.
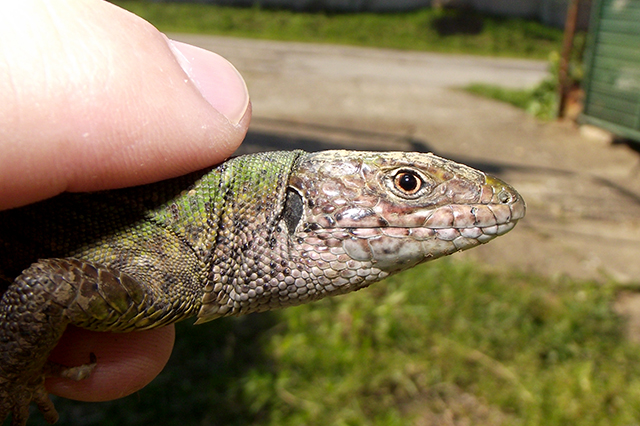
(218, 81)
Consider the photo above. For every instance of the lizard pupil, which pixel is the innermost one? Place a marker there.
(408, 182)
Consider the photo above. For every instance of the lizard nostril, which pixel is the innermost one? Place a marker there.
(505, 197)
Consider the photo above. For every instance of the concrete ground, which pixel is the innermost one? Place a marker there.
(582, 191)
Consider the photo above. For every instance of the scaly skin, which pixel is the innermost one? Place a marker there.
(258, 232)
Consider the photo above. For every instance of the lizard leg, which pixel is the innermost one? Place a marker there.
(38, 306)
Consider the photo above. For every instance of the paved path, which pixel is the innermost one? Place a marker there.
(583, 195)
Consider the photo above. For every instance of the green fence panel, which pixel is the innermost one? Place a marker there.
(612, 81)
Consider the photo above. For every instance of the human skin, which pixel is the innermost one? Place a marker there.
(92, 98)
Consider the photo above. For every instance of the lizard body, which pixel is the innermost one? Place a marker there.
(256, 233)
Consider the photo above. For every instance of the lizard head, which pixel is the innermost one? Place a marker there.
(366, 215)
(346, 219)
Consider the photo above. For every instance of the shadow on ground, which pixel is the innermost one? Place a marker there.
(458, 21)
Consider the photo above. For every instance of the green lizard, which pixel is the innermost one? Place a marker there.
(256, 233)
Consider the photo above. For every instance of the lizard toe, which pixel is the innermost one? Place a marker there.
(46, 407)
(15, 398)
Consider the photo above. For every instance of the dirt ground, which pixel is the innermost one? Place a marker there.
(582, 190)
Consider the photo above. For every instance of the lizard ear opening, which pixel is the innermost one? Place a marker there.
(293, 208)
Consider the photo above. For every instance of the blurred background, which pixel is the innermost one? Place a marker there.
(540, 327)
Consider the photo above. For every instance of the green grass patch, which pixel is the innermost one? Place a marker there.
(541, 101)
(434, 30)
(516, 97)
(441, 340)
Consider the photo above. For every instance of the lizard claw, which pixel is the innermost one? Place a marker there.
(16, 397)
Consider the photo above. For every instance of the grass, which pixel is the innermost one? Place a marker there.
(440, 342)
(436, 30)
(540, 101)
(517, 97)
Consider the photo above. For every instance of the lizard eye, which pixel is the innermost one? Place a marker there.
(407, 182)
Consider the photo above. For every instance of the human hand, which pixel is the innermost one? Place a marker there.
(94, 98)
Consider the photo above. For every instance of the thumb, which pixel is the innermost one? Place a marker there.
(93, 97)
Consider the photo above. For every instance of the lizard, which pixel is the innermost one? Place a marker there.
(255, 233)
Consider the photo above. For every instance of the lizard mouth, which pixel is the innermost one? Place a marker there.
(393, 248)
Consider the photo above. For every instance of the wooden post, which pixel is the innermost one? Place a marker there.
(567, 47)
